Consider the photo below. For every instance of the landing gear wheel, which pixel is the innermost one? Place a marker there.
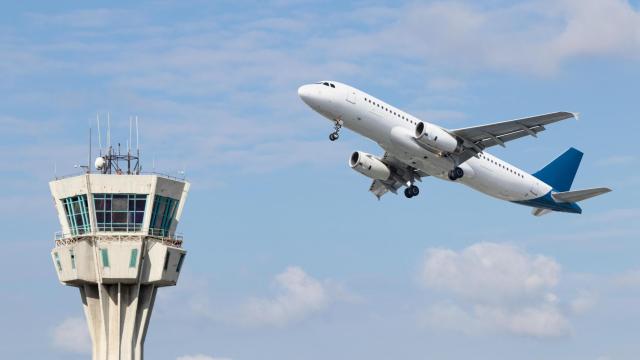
(336, 134)
(411, 191)
(456, 174)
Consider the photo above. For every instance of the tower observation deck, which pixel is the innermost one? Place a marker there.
(118, 245)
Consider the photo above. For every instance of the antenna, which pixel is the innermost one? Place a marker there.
(109, 131)
(99, 139)
(138, 147)
(89, 160)
(114, 158)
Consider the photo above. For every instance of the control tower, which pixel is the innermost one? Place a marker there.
(118, 245)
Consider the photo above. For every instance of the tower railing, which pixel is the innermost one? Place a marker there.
(167, 238)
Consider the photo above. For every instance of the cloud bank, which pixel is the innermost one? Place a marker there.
(495, 287)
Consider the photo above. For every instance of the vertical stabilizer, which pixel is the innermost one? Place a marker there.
(560, 173)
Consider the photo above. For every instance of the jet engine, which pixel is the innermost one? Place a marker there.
(437, 139)
(369, 165)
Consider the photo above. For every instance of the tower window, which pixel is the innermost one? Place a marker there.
(73, 259)
(180, 261)
(105, 257)
(164, 211)
(166, 260)
(133, 260)
(120, 212)
(57, 258)
(76, 209)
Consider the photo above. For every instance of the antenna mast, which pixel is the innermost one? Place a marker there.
(138, 147)
(89, 159)
(99, 139)
(110, 162)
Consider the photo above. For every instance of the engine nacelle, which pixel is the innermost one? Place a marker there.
(437, 139)
(369, 165)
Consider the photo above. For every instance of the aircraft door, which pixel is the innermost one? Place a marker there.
(535, 188)
(351, 96)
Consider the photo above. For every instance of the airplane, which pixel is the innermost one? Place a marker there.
(415, 149)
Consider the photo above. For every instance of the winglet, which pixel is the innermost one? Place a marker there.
(576, 115)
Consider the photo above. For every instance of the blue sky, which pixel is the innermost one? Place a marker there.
(290, 257)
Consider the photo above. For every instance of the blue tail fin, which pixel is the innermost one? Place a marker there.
(560, 172)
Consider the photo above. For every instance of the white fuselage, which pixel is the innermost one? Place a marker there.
(393, 129)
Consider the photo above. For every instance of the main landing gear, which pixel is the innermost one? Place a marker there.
(336, 133)
(411, 191)
(456, 174)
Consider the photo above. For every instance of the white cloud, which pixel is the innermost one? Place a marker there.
(299, 295)
(490, 272)
(495, 287)
(72, 335)
(530, 37)
(200, 357)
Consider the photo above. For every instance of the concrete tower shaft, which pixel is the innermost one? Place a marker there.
(118, 245)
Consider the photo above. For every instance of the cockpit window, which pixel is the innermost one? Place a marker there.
(326, 84)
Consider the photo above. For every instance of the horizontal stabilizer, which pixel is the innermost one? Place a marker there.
(578, 195)
(540, 212)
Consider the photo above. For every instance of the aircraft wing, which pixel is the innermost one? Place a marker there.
(401, 173)
(478, 138)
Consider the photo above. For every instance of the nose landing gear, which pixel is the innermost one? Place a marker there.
(411, 191)
(336, 133)
(456, 174)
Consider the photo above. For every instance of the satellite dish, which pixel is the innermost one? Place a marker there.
(99, 164)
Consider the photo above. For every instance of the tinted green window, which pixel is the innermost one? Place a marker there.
(134, 258)
(164, 211)
(105, 257)
(166, 261)
(57, 257)
(180, 262)
(119, 212)
(76, 209)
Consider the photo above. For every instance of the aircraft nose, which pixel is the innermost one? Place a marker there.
(310, 95)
